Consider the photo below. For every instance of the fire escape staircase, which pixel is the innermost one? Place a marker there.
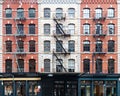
(19, 34)
(62, 33)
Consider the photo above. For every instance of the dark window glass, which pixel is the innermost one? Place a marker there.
(111, 29)
(20, 46)
(86, 45)
(46, 28)
(47, 65)
(98, 66)
(31, 46)
(20, 65)
(8, 65)
(111, 46)
(32, 12)
(8, 12)
(98, 46)
(59, 45)
(8, 46)
(20, 29)
(98, 29)
(59, 65)
(20, 13)
(111, 65)
(47, 12)
(31, 28)
(86, 65)
(71, 46)
(32, 65)
(8, 28)
(46, 46)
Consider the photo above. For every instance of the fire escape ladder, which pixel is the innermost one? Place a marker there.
(59, 61)
(61, 45)
(60, 28)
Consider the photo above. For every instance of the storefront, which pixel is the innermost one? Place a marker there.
(99, 85)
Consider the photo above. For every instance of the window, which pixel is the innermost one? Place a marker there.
(59, 13)
(98, 46)
(86, 28)
(111, 13)
(71, 46)
(46, 28)
(58, 28)
(8, 46)
(86, 13)
(111, 65)
(20, 29)
(46, 46)
(8, 65)
(98, 65)
(59, 45)
(31, 46)
(71, 12)
(32, 12)
(71, 29)
(59, 65)
(86, 45)
(20, 65)
(20, 13)
(32, 65)
(71, 65)
(8, 12)
(47, 12)
(111, 46)
(8, 28)
(20, 46)
(111, 29)
(47, 65)
(98, 28)
(98, 13)
(31, 28)
(86, 65)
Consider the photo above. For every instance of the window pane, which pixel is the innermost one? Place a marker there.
(71, 46)
(98, 46)
(31, 28)
(31, 46)
(59, 67)
(47, 12)
(46, 65)
(46, 28)
(111, 46)
(32, 12)
(20, 46)
(8, 46)
(111, 29)
(98, 66)
(8, 13)
(59, 13)
(20, 65)
(98, 28)
(59, 45)
(86, 45)
(98, 13)
(8, 65)
(8, 28)
(20, 13)
(111, 66)
(32, 65)
(86, 13)
(110, 12)
(71, 29)
(71, 65)
(58, 28)
(86, 29)
(86, 65)
(71, 12)
(20, 29)
(46, 46)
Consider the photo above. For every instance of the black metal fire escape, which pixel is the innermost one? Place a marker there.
(98, 33)
(58, 35)
(20, 35)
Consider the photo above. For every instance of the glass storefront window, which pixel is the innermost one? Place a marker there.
(8, 88)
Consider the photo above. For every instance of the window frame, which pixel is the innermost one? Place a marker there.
(71, 65)
(8, 46)
(111, 66)
(71, 12)
(32, 46)
(8, 28)
(86, 29)
(111, 13)
(47, 29)
(71, 46)
(98, 13)
(86, 13)
(31, 28)
(86, 46)
(47, 46)
(86, 65)
(99, 66)
(8, 13)
(32, 65)
(47, 62)
(20, 12)
(71, 28)
(111, 46)
(47, 12)
(111, 29)
(32, 12)
(8, 62)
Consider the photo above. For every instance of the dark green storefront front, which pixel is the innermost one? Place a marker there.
(59, 84)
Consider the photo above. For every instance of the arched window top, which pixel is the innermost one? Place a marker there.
(86, 42)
